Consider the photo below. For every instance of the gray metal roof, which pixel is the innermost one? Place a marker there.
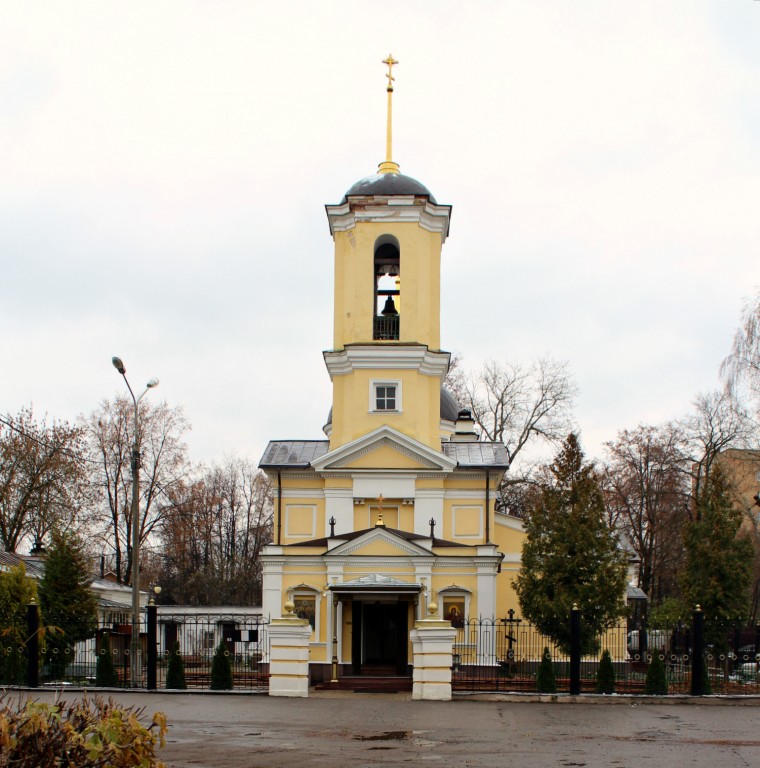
(635, 593)
(478, 454)
(301, 453)
(293, 453)
(376, 582)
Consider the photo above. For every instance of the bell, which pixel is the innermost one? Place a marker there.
(390, 307)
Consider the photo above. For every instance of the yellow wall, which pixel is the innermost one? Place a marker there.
(420, 407)
(420, 280)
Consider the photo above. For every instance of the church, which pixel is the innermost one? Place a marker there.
(395, 509)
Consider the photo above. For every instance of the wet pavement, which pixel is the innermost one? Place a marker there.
(345, 729)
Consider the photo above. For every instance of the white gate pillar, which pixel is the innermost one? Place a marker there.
(433, 643)
(289, 655)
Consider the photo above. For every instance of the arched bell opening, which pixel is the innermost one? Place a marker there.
(387, 271)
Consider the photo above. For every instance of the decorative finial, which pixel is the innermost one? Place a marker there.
(332, 527)
(388, 166)
(380, 523)
(432, 527)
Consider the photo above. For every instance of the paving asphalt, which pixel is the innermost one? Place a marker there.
(348, 729)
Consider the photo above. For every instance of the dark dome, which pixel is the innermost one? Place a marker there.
(449, 407)
(389, 184)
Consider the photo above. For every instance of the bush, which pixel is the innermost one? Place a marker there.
(12, 657)
(221, 670)
(175, 672)
(105, 672)
(89, 733)
(657, 681)
(605, 675)
(545, 680)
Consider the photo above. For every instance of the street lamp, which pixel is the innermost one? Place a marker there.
(135, 665)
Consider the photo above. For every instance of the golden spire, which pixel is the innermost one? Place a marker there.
(388, 166)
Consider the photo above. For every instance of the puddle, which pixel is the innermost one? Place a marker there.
(387, 736)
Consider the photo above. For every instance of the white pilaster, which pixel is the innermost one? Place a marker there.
(428, 503)
(339, 503)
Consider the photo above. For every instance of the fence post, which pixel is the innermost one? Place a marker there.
(575, 651)
(698, 654)
(152, 645)
(32, 645)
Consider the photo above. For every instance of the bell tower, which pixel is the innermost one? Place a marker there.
(386, 364)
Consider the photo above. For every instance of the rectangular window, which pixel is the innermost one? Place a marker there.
(385, 397)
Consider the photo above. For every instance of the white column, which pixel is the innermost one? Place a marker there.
(271, 581)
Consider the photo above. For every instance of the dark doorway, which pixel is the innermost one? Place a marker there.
(381, 637)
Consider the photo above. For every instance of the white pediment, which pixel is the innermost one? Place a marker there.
(380, 535)
(426, 457)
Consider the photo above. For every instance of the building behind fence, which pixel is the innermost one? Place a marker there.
(27, 655)
(500, 655)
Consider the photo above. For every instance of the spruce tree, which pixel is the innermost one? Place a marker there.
(105, 672)
(221, 669)
(719, 561)
(546, 682)
(17, 590)
(69, 608)
(175, 671)
(570, 555)
(656, 681)
(605, 675)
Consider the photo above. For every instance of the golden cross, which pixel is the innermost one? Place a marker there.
(390, 61)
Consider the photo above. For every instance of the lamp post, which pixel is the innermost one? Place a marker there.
(135, 661)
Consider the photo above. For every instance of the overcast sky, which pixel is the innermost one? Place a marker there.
(164, 168)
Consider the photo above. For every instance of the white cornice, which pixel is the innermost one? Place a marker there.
(381, 357)
(433, 218)
(384, 436)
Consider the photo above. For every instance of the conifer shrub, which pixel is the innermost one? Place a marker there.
(221, 669)
(105, 672)
(90, 733)
(605, 675)
(175, 671)
(545, 679)
(657, 681)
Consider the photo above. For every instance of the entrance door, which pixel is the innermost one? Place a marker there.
(383, 645)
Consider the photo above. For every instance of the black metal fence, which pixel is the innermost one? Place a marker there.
(98, 654)
(504, 655)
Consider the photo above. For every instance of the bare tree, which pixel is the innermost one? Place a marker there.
(741, 368)
(519, 407)
(646, 498)
(163, 465)
(715, 425)
(42, 478)
(212, 536)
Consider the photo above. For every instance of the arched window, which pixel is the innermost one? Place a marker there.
(387, 269)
